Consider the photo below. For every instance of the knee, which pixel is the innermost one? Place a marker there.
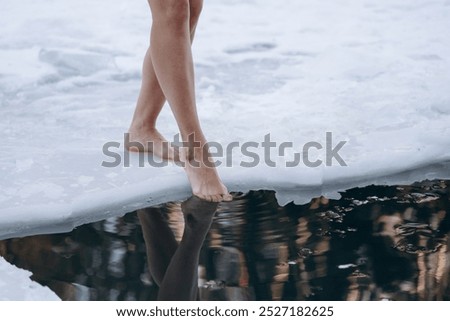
(173, 12)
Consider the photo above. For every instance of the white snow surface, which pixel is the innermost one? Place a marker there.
(16, 285)
(375, 73)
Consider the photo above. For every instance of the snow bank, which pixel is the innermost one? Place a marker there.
(15, 285)
(373, 73)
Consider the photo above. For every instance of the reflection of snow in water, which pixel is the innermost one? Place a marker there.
(375, 73)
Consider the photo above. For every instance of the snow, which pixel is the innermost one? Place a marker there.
(16, 285)
(374, 73)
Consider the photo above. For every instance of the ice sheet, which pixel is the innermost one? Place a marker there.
(16, 285)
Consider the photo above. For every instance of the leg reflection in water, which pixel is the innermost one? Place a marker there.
(174, 266)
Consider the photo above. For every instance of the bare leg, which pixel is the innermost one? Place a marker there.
(170, 50)
(143, 126)
(159, 240)
(151, 101)
(181, 279)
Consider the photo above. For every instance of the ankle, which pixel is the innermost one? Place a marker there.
(193, 136)
(139, 126)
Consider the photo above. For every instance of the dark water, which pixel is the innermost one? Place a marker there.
(377, 242)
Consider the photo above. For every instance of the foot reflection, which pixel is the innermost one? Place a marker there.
(173, 266)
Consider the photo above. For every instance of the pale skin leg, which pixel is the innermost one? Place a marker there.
(169, 73)
(151, 101)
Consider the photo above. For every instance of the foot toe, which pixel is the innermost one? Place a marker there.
(227, 197)
(216, 198)
(207, 198)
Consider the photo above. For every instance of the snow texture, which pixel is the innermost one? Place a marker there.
(15, 285)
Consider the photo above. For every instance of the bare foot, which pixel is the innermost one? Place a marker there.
(203, 176)
(149, 140)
